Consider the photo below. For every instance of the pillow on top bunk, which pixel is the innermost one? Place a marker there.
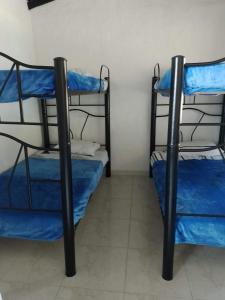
(199, 144)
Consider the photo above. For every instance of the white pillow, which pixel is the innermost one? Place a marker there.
(82, 147)
(199, 144)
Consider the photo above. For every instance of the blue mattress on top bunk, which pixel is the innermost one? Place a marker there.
(201, 190)
(41, 83)
(197, 80)
(38, 225)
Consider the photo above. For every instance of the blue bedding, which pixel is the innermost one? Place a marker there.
(201, 190)
(45, 195)
(204, 79)
(41, 83)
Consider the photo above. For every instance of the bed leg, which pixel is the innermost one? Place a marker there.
(65, 165)
(69, 252)
(168, 257)
(150, 171)
(108, 169)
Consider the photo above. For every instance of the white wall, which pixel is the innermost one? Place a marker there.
(130, 36)
(17, 41)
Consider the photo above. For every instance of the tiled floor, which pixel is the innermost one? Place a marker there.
(119, 255)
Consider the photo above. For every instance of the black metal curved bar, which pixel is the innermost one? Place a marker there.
(162, 116)
(195, 104)
(208, 63)
(71, 133)
(7, 79)
(196, 126)
(87, 113)
(12, 174)
(85, 122)
(25, 144)
(195, 109)
(83, 127)
(201, 111)
(181, 136)
(17, 62)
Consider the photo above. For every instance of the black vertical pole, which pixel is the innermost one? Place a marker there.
(20, 93)
(107, 129)
(153, 121)
(45, 123)
(65, 164)
(176, 94)
(222, 128)
(26, 156)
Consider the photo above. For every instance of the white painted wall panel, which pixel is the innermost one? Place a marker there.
(130, 36)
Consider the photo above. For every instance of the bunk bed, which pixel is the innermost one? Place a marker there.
(45, 195)
(190, 177)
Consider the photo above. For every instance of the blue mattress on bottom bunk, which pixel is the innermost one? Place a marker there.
(41, 83)
(45, 195)
(201, 190)
(201, 79)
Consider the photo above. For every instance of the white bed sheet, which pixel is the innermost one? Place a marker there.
(100, 155)
(161, 155)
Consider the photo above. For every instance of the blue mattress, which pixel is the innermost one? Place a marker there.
(41, 83)
(201, 190)
(197, 80)
(45, 195)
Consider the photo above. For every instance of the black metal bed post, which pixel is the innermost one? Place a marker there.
(222, 128)
(65, 164)
(107, 129)
(153, 120)
(176, 94)
(45, 123)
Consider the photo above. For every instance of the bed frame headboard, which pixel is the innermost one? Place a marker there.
(187, 106)
(83, 108)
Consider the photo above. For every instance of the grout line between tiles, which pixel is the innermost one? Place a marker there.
(57, 293)
(129, 231)
(90, 289)
(189, 284)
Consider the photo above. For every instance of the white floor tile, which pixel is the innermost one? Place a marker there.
(206, 277)
(101, 268)
(17, 291)
(139, 297)
(105, 232)
(144, 276)
(87, 294)
(115, 208)
(146, 235)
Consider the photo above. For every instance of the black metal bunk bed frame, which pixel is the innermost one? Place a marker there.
(77, 108)
(63, 125)
(176, 105)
